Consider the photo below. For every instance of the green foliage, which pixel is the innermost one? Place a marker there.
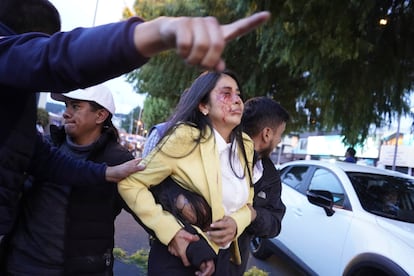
(254, 271)
(166, 75)
(139, 258)
(328, 62)
(150, 9)
(120, 254)
(157, 110)
(359, 72)
(168, 83)
(42, 117)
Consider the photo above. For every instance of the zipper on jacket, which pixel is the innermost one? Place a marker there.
(107, 258)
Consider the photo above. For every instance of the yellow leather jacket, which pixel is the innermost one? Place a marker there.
(194, 167)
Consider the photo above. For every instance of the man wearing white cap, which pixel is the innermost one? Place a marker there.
(68, 230)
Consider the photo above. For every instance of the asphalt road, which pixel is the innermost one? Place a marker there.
(130, 236)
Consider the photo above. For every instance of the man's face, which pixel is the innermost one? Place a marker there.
(82, 123)
(275, 137)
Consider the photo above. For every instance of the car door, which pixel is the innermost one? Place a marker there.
(307, 231)
(293, 181)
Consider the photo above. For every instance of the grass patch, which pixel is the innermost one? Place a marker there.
(254, 271)
(139, 258)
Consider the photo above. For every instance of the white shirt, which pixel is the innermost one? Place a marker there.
(257, 170)
(235, 190)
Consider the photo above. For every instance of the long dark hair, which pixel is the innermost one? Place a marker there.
(187, 112)
(108, 126)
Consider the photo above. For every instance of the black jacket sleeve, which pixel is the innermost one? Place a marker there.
(267, 203)
(199, 251)
(48, 163)
(66, 61)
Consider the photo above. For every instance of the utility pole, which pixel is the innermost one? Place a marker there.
(397, 137)
(96, 11)
(139, 122)
(131, 122)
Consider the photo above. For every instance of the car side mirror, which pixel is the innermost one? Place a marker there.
(322, 199)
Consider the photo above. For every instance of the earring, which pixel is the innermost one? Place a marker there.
(205, 113)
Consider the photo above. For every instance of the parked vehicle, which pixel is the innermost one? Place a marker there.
(344, 219)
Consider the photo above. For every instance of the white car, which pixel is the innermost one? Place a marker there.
(344, 219)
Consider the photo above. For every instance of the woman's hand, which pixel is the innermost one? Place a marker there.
(223, 231)
(178, 245)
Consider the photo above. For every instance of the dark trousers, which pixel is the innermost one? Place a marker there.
(161, 262)
(223, 263)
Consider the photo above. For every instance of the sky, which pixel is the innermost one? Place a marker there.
(81, 13)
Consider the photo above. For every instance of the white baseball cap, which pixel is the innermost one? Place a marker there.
(98, 93)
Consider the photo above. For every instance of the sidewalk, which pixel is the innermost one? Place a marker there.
(129, 236)
(121, 269)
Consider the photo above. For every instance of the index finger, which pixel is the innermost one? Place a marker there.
(184, 259)
(245, 25)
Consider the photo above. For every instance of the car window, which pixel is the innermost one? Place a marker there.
(324, 179)
(294, 176)
(384, 195)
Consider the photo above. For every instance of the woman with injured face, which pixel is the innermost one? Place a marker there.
(195, 192)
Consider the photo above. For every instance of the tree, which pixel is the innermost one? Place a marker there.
(157, 110)
(165, 76)
(42, 117)
(357, 55)
(333, 64)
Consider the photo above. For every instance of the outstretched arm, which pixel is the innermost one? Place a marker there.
(59, 62)
(49, 163)
(198, 40)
